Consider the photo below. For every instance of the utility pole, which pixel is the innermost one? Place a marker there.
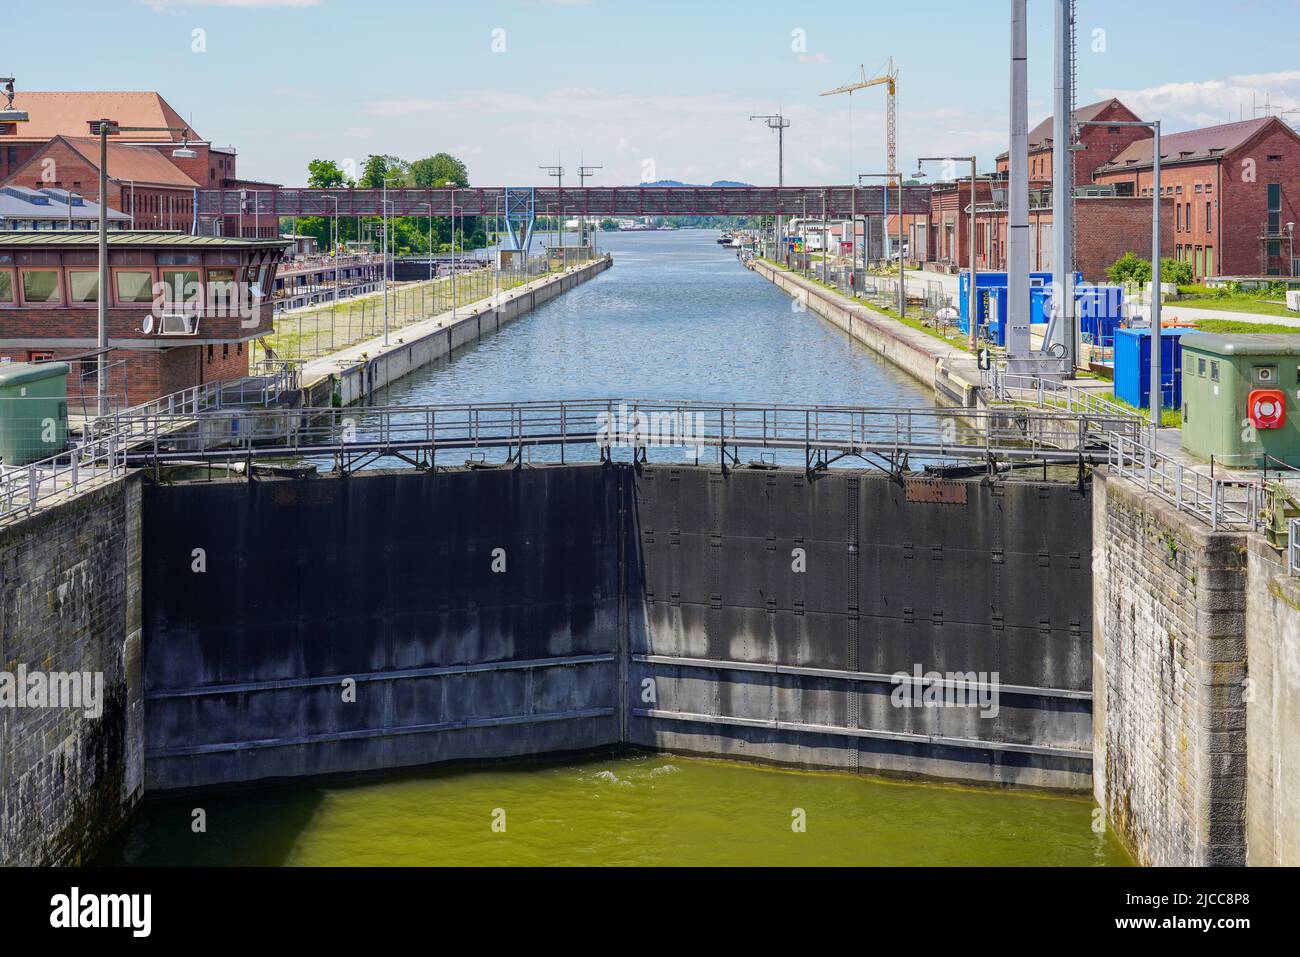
(583, 173)
(1064, 318)
(558, 173)
(1017, 194)
(775, 121)
(971, 300)
(101, 299)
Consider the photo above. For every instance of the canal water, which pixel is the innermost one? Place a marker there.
(641, 809)
(676, 318)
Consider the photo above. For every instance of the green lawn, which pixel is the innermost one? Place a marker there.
(1203, 298)
(956, 340)
(1237, 325)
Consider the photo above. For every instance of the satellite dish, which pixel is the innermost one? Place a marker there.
(148, 324)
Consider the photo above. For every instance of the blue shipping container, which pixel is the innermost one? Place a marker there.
(986, 281)
(1133, 367)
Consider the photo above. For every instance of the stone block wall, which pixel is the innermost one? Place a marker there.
(70, 602)
(1169, 715)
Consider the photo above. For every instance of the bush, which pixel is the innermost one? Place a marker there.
(1129, 268)
(1132, 268)
(1175, 271)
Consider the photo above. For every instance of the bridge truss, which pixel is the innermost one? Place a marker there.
(627, 201)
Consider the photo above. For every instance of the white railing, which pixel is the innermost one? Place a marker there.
(1223, 503)
(26, 487)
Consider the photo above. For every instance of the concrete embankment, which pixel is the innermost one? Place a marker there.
(951, 373)
(352, 374)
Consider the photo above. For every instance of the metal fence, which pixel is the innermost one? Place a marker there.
(100, 452)
(328, 326)
(1223, 503)
(820, 434)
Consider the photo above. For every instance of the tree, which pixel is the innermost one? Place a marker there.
(438, 170)
(326, 174)
(379, 167)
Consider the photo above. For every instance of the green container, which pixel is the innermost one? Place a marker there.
(33, 411)
(1219, 374)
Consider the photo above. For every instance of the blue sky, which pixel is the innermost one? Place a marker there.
(660, 89)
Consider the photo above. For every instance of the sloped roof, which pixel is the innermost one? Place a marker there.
(1040, 136)
(1193, 145)
(139, 164)
(68, 113)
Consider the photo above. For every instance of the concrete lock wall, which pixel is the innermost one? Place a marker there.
(386, 578)
(70, 604)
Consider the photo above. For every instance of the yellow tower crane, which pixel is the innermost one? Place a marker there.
(890, 79)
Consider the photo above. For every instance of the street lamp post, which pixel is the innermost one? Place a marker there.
(970, 292)
(334, 250)
(583, 173)
(775, 121)
(101, 304)
(454, 275)
(387, 240)
(902, 293)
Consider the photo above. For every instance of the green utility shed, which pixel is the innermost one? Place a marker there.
(1241, 397)
(33, 411)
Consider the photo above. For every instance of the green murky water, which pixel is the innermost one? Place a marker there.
(640, 809)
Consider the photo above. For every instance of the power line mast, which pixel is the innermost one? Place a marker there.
(890, 80)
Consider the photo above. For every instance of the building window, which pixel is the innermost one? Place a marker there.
(1274, 208)
(6, 286)
(41, 285)
(209, 352)
(182, 285)
(83, 286)
(1214, 370)
(1209, 216)
(1200, 368)
(1209, 260)
(134, 286)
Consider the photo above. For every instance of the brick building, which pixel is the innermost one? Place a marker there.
(947, 239)
(1105, 227)
(73, 117)
(1107, 223)
(1235, 189)
(142, 183)
(181, 309)
(1096, 144)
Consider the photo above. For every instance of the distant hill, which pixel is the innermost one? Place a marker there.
(674, 182)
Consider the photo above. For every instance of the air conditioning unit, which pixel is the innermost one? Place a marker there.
(178, 324)
(1293, 300)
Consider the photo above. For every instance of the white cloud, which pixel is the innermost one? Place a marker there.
(1198, 103)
